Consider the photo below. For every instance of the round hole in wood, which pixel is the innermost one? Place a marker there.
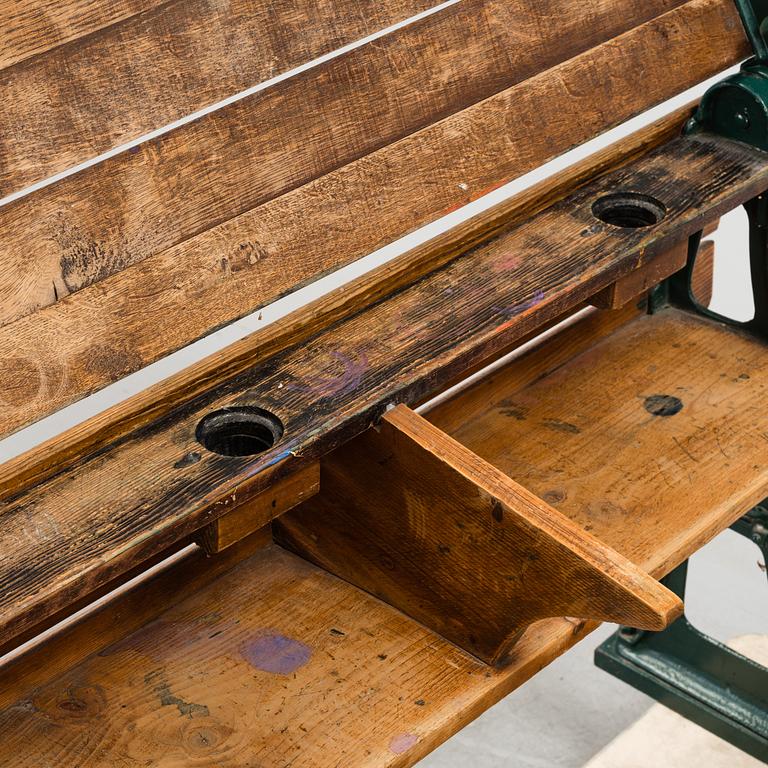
(239, 431)
(629, 210)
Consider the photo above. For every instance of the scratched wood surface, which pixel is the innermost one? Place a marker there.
(659, 423)
(250, 151)
(418, 520)
(181, 281)
(276, 663)
(31, 27)
(158, 400)
(83, 76)
(329, 390)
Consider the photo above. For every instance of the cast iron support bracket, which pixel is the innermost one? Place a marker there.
(678, 289)
(736, 108)
(694, 675)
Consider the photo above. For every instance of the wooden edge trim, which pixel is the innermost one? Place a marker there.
(235, 525)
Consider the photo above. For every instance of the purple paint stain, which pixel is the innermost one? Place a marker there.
(512, 311)
(275, 653)
(347, 381)
(402, 743)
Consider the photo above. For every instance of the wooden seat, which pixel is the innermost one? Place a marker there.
(316, 561)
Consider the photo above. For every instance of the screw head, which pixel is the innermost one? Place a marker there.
(742, 119)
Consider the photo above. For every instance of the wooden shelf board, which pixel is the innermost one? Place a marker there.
(275, 663)
(582, 436)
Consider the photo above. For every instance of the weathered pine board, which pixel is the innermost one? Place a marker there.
(90, 75)
(134, 205)
(276, 663)
(242, 521)
(158, 400)
(331, 387)
(415, 518)
(657, 427)
(31, 27)
(114, 327)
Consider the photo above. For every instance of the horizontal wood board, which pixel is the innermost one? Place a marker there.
(658, 427)
(81, 77)
(111, 328)
(91, 334)
(70, 533)
(31, 27)
(277, 663)
(51, 456)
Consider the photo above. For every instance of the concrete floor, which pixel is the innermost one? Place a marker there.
(663, 739)
(572, 710)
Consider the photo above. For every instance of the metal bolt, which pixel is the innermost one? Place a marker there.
(742, 119)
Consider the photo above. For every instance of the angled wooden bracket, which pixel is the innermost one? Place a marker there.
(414, 517)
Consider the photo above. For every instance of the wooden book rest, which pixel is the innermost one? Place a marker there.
(339, 539)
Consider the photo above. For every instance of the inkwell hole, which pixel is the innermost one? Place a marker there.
(239, 431)
(629, 210)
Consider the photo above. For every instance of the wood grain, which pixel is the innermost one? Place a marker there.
(136, 204)
(242, 521)
(157, 401)
(645, 277)
(89, 75)
(176, 296)
(375, 688)
(702, 281)
(664, 414)
(416, 519)
(327, 390)
(31, 27)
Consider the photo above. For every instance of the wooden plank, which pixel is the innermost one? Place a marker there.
(662, 415)
(31, 27)
(180, 294)
(645, 277)
(137, 204)
(359, 684)
(327, 391)
(258, 512)
(105, 72)
(704, 273)
(413, 517)
(158, 400)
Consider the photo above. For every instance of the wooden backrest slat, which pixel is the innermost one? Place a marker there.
(129, 207)
(117, 75)
(32, 27)
(176, 295)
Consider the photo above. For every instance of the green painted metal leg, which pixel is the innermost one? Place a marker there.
(694, 675)
(754, 525)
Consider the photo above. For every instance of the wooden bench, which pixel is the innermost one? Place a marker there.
(338, 540)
